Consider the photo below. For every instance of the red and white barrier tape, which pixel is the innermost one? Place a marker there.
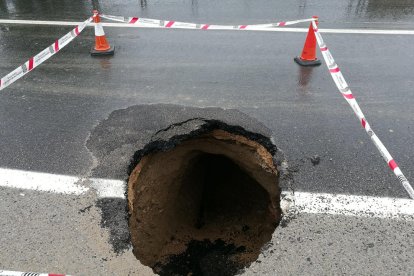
(16, 273)
(349, 97)
(139, 22)
(42, 56)
(156, 23)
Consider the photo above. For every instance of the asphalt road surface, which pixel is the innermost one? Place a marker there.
(48, 117)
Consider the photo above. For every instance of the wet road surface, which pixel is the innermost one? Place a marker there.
(252, 72)
(47, 116)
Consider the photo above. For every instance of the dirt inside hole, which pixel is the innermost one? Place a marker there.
(206, 206)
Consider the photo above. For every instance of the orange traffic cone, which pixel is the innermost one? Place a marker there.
(308, 56)
(102, 47)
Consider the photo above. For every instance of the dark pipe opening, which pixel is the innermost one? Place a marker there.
(216, 189)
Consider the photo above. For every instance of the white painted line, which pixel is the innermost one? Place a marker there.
(39, 22)
(304, 202)
(45, 182)
(18, 273)
(294, 30)
(60, 184)
(109, 187)
(353, 205)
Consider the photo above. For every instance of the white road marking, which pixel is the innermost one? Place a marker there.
(45, 182)
(353, 205)
(109, 187)
(295, 30)
(40, 22)
(314, 203)
(18, 273)
(60, 184)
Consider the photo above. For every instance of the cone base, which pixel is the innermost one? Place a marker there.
(302, 62)
(109, 52)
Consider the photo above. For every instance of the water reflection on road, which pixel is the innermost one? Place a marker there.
(378, 9)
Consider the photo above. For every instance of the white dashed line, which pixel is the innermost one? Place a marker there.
(294, 30)
(314, 203)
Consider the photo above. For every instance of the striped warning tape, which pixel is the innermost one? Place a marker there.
(349, 97)
(157, 23)
(16, 273)
(42, 56)
(139, 22)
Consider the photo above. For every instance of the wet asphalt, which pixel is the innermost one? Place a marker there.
(47, 116)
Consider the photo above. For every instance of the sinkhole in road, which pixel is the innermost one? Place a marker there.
(204, 207)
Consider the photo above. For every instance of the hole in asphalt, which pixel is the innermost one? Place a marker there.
(205, 207)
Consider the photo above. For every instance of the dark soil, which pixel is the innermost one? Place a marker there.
(203, 258)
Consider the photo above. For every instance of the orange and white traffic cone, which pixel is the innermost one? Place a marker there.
(308, 56)
(102, 47)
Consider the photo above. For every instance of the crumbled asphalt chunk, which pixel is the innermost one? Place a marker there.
(315, 160)
(83, 210)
